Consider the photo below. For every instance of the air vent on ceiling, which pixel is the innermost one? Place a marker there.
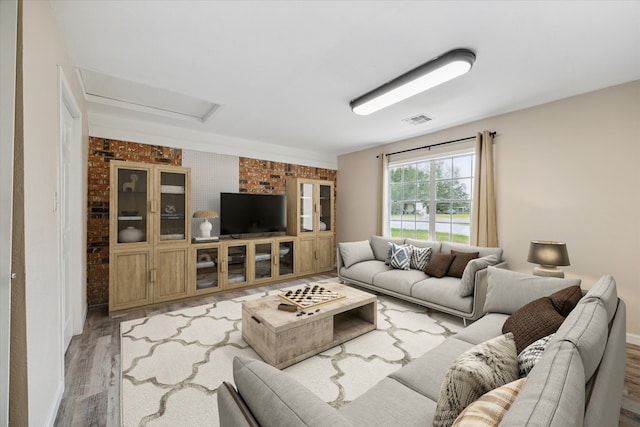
(417, 120)
(109, 90)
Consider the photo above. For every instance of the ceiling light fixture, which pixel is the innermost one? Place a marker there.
(437, 71)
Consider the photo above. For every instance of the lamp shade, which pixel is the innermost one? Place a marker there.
(205, 214)
(548, 253)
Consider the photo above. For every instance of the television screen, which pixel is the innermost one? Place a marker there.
(244, 213)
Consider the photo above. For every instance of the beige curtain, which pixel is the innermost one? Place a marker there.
(484, 230)
(383, 166)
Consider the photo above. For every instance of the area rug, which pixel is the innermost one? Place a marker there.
(173, 363)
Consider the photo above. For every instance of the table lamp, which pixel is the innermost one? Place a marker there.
(205, 226)
(548, 255)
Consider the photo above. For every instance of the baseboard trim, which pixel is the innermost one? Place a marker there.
(633, 339)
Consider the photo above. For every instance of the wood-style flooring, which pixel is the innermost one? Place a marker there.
(92, 364)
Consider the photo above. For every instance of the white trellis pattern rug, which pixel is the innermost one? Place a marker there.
(173, 363)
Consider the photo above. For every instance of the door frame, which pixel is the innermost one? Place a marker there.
(78, 307)
(8, 51)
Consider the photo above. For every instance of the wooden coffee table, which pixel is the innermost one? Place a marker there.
(283, 338)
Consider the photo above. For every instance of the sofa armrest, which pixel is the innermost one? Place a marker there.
(276, 399)
(480, 291)
(232, 410)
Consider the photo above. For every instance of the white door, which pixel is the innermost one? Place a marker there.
(8, 34)
(66, 146)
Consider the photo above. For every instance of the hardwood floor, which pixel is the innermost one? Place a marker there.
(92, 364)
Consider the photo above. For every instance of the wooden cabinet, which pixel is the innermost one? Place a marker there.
(234, 266)
(205, 262)
(149, 234)
(310, 216)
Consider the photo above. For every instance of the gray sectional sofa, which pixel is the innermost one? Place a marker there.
(576, 382)
(463, 297)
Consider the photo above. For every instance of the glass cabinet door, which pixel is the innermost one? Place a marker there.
(131, 205)
(173, 222)
(285, 258)
(326, 208)
(207, 268)
(306, 208)
(236, 264)
(263, 262)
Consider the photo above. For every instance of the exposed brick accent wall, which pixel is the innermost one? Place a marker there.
(101, 152)
(266, 177)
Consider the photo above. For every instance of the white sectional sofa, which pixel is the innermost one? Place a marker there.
(363, 264)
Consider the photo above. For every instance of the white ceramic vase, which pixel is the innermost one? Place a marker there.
(129, 235)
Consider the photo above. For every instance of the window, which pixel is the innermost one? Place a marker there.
(431, 199)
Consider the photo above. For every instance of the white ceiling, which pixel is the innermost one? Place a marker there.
(285, 71)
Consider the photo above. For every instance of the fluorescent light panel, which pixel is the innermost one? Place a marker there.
(435, 72)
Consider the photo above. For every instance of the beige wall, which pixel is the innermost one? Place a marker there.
(565, 171)
(43, 52)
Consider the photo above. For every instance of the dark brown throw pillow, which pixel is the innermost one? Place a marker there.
(533, 321)
(460, 262)
(566, 299)
(439, 265)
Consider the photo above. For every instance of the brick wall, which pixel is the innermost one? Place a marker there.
(256, 176)
(101, 152)
(266, 177)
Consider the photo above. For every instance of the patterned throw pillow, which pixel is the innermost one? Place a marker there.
(490, 409)
(400, 257)
(420, 257)
(528, 358)
(475, 372)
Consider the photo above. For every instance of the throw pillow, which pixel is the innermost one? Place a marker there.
(468, 282)
(535, 320)
(354, 252)
(478, 370)
(460, 262)
(400, 257)
(565, 300)
(490, 409)
(528, 358)
(420, 257)
(390, 248)
(439, 265)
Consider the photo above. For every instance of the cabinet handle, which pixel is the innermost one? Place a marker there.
(154, 208)
(152, 275)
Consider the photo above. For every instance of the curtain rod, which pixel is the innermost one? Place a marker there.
(433, 145)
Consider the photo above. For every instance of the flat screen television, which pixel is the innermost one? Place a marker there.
(245, 213)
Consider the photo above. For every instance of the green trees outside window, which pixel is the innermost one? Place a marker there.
(431, 199)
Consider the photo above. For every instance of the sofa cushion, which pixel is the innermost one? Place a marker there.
(490, 408)
(435, 246)
(528, 357)
(475, 372)
(364, 271)
(400, 281)
(605, 290)
(420, 257)
(353, 252)
(554, 392)
(539, 318)
(507, 291)
(426, 373)
(447, 247)
(380, 246)
(587, 328)
(388, 403)
(276, 399)
(485, 328)
(467, 284)
(439, 265)
(460, 262)
(444, 292)
(400, 256)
